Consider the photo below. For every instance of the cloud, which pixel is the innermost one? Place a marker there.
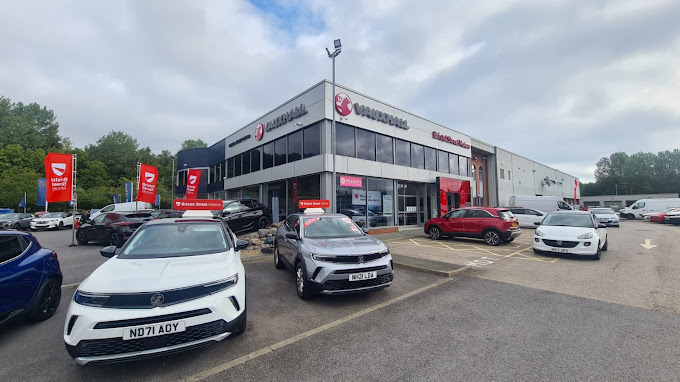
(563, 83)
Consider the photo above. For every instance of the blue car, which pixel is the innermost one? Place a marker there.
(30, 278)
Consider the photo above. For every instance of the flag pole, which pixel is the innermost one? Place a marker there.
(139, 164)
(74, 199)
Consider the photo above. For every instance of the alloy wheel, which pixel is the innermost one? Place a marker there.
(435, 233)
(50, 300)
(492, 238)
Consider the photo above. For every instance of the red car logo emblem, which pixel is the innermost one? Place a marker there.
(259, 132)
(343, 104)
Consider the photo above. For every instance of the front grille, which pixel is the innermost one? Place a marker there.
(346, 284)
(358, 259)
(565, 244)
(359, 270)
(113, 346)
(143, 300)
(151, 320)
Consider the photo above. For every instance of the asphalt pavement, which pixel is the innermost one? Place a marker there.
(511, 316)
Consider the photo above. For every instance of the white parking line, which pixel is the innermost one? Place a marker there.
(235, 362)
(68, 286)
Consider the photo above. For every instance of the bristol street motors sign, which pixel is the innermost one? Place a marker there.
(448, 139)
(343, 105)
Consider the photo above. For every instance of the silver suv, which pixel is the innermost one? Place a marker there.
(330, 254)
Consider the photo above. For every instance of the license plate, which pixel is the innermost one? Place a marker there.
(153, 330)
(561, 250)
(363, 276)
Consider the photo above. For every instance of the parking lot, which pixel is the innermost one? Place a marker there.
(512, 315)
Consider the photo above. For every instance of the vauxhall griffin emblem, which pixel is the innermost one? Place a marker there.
(157, 300)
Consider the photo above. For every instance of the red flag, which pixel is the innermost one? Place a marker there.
(193, 177)
(146, 189)
(575, 188)
(59, 176)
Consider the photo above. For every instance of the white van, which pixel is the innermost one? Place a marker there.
(646, 206)
(541, 203)
(123, 207)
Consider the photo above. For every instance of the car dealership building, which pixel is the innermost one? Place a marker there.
(394, 169)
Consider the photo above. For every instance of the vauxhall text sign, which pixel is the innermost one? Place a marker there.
(343, 105)
(286, 117)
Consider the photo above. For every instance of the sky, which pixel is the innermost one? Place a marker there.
(563, 83)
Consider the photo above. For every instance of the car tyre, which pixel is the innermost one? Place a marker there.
(46, 301)
(80, 238)
(263, 222)
(435, 233)
(598, 254)
(301, 283)
(114, 239)
(492, 237)
(606, 244)
(16, 226)
(277, 259)
(61, 226)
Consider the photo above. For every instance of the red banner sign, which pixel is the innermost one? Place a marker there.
(197, 204)
(59, 177)
(193, 177)
(325, 203)
(148, 176)
(350, 181)
(575, 188)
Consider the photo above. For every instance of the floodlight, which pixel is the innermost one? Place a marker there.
(337, 43)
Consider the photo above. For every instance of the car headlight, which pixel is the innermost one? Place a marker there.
(539, 232)
(90, 299)
(318, 257)
(588, 235)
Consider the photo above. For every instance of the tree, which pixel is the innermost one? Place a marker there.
(31, 126)
(193, 144)
(118, 152)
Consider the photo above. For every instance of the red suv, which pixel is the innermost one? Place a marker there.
(494, 225)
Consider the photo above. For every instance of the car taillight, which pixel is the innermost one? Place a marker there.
(54, 254)
(123, 223)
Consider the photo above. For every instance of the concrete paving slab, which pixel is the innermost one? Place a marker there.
(429, 266)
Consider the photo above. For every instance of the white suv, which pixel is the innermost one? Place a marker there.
(175, 285)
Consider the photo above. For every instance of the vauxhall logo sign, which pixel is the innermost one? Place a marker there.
(343, 104)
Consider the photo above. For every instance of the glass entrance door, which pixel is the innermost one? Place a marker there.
(411, 204)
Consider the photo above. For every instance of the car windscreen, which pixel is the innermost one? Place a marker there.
(9, 216)
(52, 215)
(325, 227)
(176, 240)
(602, 211)
(568, 220)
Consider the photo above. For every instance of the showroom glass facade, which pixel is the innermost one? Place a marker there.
(368, 201)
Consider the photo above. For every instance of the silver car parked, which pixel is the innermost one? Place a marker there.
(331, 254)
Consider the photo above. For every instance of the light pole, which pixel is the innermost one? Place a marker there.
(338, 49)
(172, 186)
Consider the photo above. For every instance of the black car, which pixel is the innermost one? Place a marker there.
(165, 214)
(113, 228)
(245, 215)
(16, 220)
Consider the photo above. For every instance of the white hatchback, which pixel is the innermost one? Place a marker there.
(175, 285)
(571, 232)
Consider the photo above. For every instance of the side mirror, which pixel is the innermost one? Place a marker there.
(537, 223)
(291, 235)
(365, 229)
(109, 251)
(601, 226)
(242, 244)
(225, 213)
